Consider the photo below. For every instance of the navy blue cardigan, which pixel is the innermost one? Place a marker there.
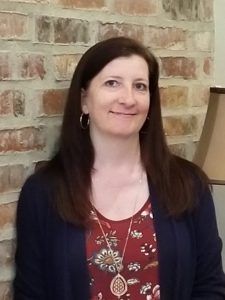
(51, 254)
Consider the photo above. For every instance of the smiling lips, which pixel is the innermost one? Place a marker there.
(122, 113)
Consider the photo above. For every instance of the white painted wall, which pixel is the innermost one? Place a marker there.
(219, 67)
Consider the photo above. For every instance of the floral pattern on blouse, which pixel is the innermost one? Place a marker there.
(139, 266)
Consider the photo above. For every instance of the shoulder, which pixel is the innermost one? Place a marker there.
(36, 209)
(35, 195)
(204, 211)
(35, 183)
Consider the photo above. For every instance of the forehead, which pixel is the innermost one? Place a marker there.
(134, 65)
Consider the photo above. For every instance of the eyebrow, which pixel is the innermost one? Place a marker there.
(141, 79)
(113, 76)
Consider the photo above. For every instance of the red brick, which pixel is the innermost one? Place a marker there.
(169, 37)
(6, 106)
(13, 25)
(54, 101)
(203, 41)
(31, 66)
(12, 102)
(80, 3)
(208, 66)
(134, 7)
(110, 30)
(18, 99)
(23, 139)
(179, 125)
(7, 250)
(43, 29)
(64, 65)
(178, 149)
(195, 10)
(11, 177)
(68, 31)
(199, 95)
(5, 68)
(174, 96)
(205, 10)
(7, 214)
(30, 1)
(6, 291)
(179, 67)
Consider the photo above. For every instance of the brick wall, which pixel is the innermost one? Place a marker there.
(40, 44)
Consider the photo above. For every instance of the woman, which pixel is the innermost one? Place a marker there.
(115, 215)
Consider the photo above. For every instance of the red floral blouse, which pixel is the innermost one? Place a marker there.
(140, 262)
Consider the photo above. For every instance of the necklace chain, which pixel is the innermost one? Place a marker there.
(108, 244)
(118, 285)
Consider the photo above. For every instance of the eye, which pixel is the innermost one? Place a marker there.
(112, 83)
(140, 86)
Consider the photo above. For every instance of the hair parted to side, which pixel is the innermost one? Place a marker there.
(71, 168)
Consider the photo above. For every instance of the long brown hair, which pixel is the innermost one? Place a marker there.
(69, 172)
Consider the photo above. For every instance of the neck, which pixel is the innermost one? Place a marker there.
(113, 153)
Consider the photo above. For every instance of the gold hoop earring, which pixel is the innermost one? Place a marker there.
(84, 124)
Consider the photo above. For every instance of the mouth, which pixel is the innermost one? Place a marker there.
(122, 113)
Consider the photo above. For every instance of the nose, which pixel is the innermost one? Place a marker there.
(128, 96)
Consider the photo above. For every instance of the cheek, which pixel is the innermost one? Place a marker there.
(97, 110)
(145, 105)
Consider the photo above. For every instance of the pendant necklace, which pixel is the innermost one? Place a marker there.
(118, 285)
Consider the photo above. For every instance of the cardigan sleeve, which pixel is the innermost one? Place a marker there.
(209, 281)
(29, 259)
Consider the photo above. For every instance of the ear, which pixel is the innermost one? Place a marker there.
(84, 106)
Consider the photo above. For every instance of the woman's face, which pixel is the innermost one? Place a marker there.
(117, 98)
